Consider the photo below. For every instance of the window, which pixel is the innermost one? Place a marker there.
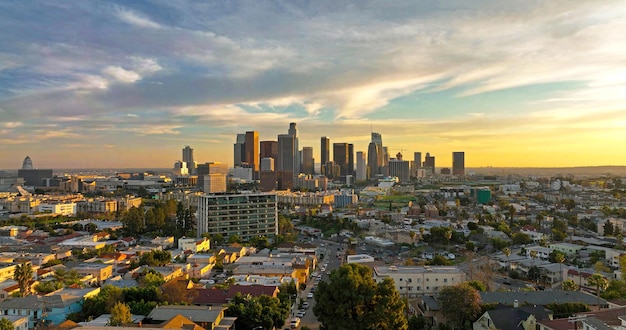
(445, 280)
(410, 280)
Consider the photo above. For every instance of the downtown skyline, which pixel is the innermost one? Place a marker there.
(85, 84)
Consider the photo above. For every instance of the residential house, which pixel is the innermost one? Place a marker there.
(99, 272)
(509, 298)
(205, 316)
(522, 318)
(412, 281)
(19, 322)
(217, 297)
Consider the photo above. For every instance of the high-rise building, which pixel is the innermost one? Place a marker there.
(267, 164)
(269, 149)
(325, 150)
(372, 159)
(286, 153)
(293, 131)
(240, 150)
(214, 183)
(252, 151)
(180, 168)
(341, 157)
(417, 160)
(188, 158)
(399, 168)
(27, 164)
(378, 139)
(244, 215)
(429, 163)
(361, 166)
(458, 163)
(350, 159)
(307, 160)
(210, 168)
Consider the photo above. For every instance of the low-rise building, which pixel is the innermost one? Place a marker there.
(412, 281)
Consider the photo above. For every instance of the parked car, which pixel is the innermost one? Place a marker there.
(305, 305)
(295, 323)
(309, 295)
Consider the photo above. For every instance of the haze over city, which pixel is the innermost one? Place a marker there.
(128, 84)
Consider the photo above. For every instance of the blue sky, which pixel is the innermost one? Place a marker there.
(130, 83)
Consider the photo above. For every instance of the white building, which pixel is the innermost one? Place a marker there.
(412, 281)
(58, 208)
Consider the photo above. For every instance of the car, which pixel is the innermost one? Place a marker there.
(305, 305)
(309, 295)
(506, 282)
(295, 323)
(300, 313)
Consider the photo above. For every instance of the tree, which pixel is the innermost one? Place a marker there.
(478, 285)
(5, 324)
(521, 238)
(569, 285)
(23, 274)
(120, 314)
(351, 299)
(597, 280)
(460, 304)
(560, 258)
(608, 228)
(263, 311)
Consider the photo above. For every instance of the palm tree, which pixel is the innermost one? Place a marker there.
(448, 234)
(599, 282)
(507, 253)
(422, 230)
(23, 274)
(412, 234)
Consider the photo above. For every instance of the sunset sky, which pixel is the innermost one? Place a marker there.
(102, 84)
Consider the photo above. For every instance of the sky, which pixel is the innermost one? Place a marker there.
(109, 84)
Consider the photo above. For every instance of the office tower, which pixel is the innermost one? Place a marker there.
(27, 164)
(267, 164)
(372, 159)
(180, 168)
(350, 159)
(378, 139)
(286, 153)
(210, 168)
(385, 157)
(331, 170)
(293, 131)
(269, 149)
(341, 158)
(214, 183)
(245, 215)
(458, 163)
(240, 150)
(307, 160)
(361, 166)
(399, 168)
(417, 160)
(188, 158)
(429, 163)
(325, 150)
(252, 151)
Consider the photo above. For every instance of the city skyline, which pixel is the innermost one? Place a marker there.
(85, 84)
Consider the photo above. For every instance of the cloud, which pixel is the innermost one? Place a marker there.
(133, 18)
(121, 74)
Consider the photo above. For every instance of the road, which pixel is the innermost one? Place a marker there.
(330, 258)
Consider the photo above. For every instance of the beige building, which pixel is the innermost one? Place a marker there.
(99, 271)
(412, 281)
(214, 183)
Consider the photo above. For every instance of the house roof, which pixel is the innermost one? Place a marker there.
(217, 296)
(200, 314)
(180, 322)
(539, 297)
(608, 316)
(511, 318)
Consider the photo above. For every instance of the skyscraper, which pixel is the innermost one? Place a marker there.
(269, 149)
(399, 168)
(372, 159)
(417, 160)
(307, 160)
(293, 131)
(361, 166)
(324, 150)
(27, 164)
(188, 158)
(341, 157)
(239, 150)
(429, 163)
(458, 163)
(286, 153)
(350, 159)
(252, 151)
(378, 139)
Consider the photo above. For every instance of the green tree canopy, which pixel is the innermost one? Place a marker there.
(120, 314)
(5, 324)
(263, 311)
(460, 304)
(351, 299)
